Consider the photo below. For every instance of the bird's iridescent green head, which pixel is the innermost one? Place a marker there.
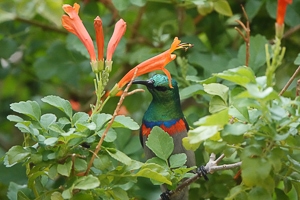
(158, 86)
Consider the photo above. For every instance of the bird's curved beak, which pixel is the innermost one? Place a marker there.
(147, 83)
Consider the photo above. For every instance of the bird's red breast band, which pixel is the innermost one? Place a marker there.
(179, 126)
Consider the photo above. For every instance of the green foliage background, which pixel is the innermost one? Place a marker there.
(39, 58)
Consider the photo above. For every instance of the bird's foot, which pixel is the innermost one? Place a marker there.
(201, 171)
(165, 195)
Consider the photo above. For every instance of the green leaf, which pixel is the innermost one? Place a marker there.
(119, 194)
(158, 161)
(240, 75)
(47, 120)
(80, 117)
(14, 118)
(254, 150)
(26, 127)
(22, 196)
(253, 91)
(127, 122)
(215, 146)
(259, 193)
(177, 160)
(275, 158)
(16, 154)
(217, 89)
(14, 189)
(240, 106)
(255, 170)
(217, 104)
(64, 121)
(67, 194)
(56, 128)
(50, 141)
(296, 185)
(233, 133)
(86, 182)
(110, 136)
(28, 108)
(80, 164)
(196, 79)
(102, 162)
(240, 113)
(100, 120)
(297, 60)
(160, 142)
(199, 135)
(222, 7)
(83, 126)
(280, 194)
(190, 91)
(287, 185)
(237, 193)
(36, 158)
(65, 169)
(56, 196)
(154, 172)
(119, 156)
(59, 103)
(221, 118)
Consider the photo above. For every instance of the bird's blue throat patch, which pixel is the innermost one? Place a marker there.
(167, 124)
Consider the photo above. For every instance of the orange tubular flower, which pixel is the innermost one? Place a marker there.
(119, 31)
(99, 37)
(155, 63)
(281, 9)
(73, 24)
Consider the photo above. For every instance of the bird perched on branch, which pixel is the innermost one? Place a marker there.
(165, 111)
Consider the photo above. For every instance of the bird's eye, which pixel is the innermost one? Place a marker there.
(161, 88)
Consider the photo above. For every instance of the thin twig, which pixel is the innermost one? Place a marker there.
(220, 158)
(41, 25)
(210, 167)
(291, 31)
(290, 81)
(98, 147)
(135, 91)
(298, 88)
(246, 36)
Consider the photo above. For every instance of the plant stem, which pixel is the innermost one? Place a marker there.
(98, 147)
(290, 81)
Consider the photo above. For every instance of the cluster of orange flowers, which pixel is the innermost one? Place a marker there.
(73, 24)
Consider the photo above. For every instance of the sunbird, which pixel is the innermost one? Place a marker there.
(165, 112)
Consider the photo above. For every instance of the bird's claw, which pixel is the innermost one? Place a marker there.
(201, 171)
(165, 195)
